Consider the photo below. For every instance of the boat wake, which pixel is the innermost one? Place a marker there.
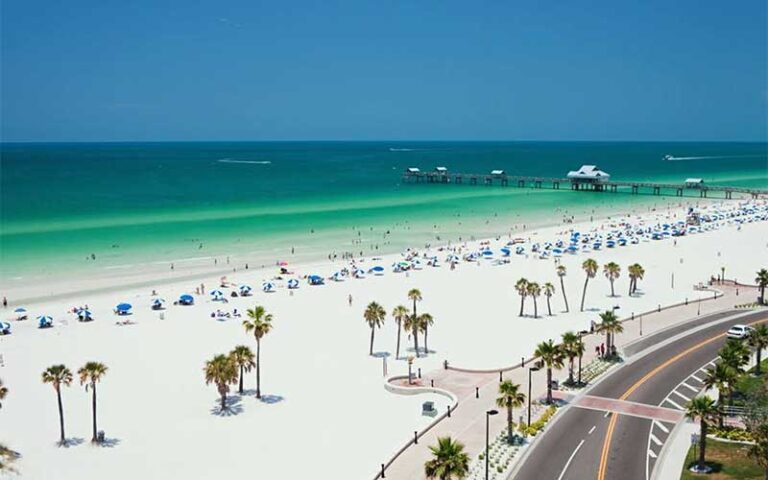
(401, 149)
(253, 162)
(671, 158)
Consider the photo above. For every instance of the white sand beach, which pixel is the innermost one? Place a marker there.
(325, 413)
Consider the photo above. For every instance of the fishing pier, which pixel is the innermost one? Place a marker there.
(587, 178)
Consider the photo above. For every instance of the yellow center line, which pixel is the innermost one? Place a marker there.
(612, 424)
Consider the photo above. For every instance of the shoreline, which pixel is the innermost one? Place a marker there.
(151, 274)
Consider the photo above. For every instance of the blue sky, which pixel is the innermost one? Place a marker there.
(359, 70)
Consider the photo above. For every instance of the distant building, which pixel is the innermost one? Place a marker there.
(589, 173)
(441, 170)
(413, 170)
(694, 182)
(498, 173)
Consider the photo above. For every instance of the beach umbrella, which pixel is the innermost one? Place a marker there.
(359, 273)
(338, 277)
(505, 251)
(158, 303)
(5, 328)
(315, 280)
(83, 313)
(20, 310)
(186, 299)
(268, 287)
(293, 283)
(282, 263)
(123, 307)
(217, 294)
(245, 290)
(487, 253)
(44, 321)
(377, 270)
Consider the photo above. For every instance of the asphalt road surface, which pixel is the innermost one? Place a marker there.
(592, 444)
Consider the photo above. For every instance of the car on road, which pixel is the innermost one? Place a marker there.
(739, 331)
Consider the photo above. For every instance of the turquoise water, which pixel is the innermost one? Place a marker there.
(142, 202)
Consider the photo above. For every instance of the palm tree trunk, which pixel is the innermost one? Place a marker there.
(522, 304)
(702, 444)
(258, 368)
(370, 350)
(759, 355)
(535, 308)
(613, 294)
(562, 289)
(426, 347)
(397, 351)
(549, 385)
(93, 386)
(241, 379)
(223, 400)
(549, 308)
(584, 293)
(570, 370)
(416, 338)
(61, 417)
(509, 424)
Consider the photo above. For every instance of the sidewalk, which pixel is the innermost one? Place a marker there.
(467, 422)
(672, 460)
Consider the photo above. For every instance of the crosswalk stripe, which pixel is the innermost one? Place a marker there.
(681, 396)
(655, 440)
(661, 426)
(651, 454)
(697, 379)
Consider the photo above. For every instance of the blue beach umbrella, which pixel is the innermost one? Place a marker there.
(293, 283)
(505, 251)
(44, 321)
(315, 280)
(268, 287)
(5, 328)
(378, 270)
(245, 290)
(186, 299)
(124, 307)
(20, 310)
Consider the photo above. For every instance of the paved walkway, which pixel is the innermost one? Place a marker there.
(477, 391)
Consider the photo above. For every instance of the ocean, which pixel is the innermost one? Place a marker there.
(69, 207)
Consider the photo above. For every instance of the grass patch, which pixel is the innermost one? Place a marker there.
(729, 461)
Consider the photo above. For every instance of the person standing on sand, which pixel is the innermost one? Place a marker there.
(350, 299)
(5, 302)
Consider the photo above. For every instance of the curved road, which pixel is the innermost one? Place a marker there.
(597, 444)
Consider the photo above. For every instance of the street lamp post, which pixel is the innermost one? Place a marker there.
(487, 434)
(530, 370)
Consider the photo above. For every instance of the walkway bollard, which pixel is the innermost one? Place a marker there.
(501, 376)
(382, 471)
(522, 363)
(419, 372)
(477, 392)
(415, 438)
(432, 382)
(449, 411)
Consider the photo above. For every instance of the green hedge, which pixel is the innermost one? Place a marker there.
(538, 425)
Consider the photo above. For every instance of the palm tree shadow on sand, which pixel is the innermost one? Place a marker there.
(108, 443)
(71, 442)
(382, 355)
(233, 407)
(271, 399)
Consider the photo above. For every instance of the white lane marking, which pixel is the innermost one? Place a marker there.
(681, 395)
(655, 440)
(700, 380)
(695, 390)
(606, 414)
(651, 454)
(592, 429)
(570, 459)
(662, 427)
(674, 404)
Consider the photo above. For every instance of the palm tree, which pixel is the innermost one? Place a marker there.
(510, 397)
(58, 376)
(522, 289)
(590, 269)
(90, 374)
(3, 391)
(399, 314)
(758, 339)
(612, 270)
(549, 290)
(636, 272)
(762, 282)
(734, 354)
(243, 358)
(450, 461)
(260, 324)
(411, 324)
(534, 291)
(572, 347)
(222, 371)
(552, 357)
(414, 295)
(425, 321)
(705, 410)
(723, 378)
(561, 272)
(374, 316)
(610, 326)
